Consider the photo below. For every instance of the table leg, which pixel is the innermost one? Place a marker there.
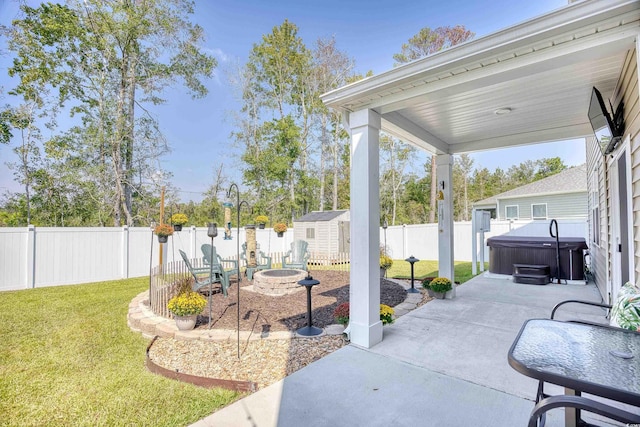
(571, 415)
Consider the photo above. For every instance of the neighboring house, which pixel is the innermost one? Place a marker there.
(560, 196)
(327, 232)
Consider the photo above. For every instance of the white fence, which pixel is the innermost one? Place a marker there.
(36, 257)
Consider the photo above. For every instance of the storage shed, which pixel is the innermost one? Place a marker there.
(327, 232)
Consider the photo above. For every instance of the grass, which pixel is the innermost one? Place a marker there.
(68, 358)
(401, 269)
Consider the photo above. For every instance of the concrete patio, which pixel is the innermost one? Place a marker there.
(443, 364)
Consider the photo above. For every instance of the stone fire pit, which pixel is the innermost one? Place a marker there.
(278, 282)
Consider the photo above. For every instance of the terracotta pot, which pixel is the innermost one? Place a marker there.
(186, 323)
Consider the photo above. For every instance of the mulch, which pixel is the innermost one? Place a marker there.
(264, 313)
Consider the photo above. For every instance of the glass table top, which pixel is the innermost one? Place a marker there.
(600, 356)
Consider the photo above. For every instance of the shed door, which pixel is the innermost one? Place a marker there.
(343, 237)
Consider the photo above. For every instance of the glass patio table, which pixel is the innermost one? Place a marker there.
(583, 358)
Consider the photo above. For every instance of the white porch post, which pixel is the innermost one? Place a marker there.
(364, 293)
(444, 173)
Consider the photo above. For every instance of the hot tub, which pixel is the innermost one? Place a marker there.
(504, 251)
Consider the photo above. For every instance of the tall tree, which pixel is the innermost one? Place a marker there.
(395, 158)
(426, 42)
(109, 59)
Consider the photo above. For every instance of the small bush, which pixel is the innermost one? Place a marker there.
(341, 313)
(187, 303)
(439, 284)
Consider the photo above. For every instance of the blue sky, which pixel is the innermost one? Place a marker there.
(198, 131)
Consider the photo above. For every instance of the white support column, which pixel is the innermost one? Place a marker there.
(444, 173)
(364, 317)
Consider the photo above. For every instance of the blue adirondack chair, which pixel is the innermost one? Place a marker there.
(209, 254)
(297, 256)
(263, 262)
(201, 275)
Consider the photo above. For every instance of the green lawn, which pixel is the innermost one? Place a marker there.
(401, 269)
(67, 357)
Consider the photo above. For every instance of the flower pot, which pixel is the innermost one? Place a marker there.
(261, 226)
(186, 323)
(439, 295)
(163, 239)
(383, 272)
(431, 293)
(280, 233)
(177, 227)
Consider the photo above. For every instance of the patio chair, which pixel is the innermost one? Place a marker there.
(297, 256)
(263, 262)
(209, 253)
(201, 275)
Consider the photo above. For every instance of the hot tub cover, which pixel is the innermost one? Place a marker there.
(566, 243)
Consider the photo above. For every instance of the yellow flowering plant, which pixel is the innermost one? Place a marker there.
(439, 284)
(187, 303)
(386, 314)
(179, 219)
(261, 219)
(385, 262)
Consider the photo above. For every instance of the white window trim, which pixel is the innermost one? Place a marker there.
(517, 212)
(546, 210)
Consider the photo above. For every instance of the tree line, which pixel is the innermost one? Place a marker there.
(106, 64)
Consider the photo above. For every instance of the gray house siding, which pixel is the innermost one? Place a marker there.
(565, 206)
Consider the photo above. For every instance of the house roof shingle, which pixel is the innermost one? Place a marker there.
(571, 180)
(319, 216)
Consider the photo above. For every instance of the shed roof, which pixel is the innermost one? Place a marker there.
(571, 180)
(319, 216)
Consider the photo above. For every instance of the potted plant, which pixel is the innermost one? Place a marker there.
(438, 287)
(178, 220)
(163, 231)
(386, 314)
(261, 220)
(385, 264)
(341, 313)
(185, 307)
(280, 228)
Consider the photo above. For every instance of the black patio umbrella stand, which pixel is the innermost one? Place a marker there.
(309, 330)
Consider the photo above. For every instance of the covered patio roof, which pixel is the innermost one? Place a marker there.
(530, 83)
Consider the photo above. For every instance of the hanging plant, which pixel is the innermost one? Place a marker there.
(163, 231)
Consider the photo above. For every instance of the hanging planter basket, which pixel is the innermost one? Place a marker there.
(261, 226)
(177, 227)
(280, 233)
(163, 239)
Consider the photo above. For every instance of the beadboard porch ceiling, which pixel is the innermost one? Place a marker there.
(539, 74)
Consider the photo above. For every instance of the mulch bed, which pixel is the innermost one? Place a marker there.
(263, 313)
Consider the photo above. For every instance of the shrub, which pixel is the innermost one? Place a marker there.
(261, 219)
(385, 262)
(341, 313)
(280, 227)
(179, 219)
(439, 284)
(187, 303)
(386, 314)
(163, 230)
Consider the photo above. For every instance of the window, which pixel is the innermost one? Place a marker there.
(539, 211)
(511, 212)
(311, 233)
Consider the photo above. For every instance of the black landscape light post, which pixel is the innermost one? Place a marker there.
(309, 330)
(412, 260)
(384, 227)
(238, 206)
